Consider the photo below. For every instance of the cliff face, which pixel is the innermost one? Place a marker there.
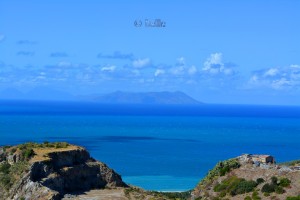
(52, 172)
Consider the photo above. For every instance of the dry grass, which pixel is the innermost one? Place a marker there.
(41, 154)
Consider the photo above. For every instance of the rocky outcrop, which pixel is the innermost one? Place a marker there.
(52, 173)
(244, 178)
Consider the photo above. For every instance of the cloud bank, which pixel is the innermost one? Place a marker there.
(278, 78)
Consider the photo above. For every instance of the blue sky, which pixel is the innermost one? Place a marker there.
(216, 51)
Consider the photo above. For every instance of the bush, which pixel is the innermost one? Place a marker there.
(269, 188)
(274, 180)
(27, 153)
(279, 190)
(255, 196)
(284, 182)
(234, 185)
(176, 195)
(259, 181)
(19, 167)
(13, 150)
(223, 194)
(5, 181)
(266, 194)
(247, 198)
(222, 168)
(4, 168)
(245, 187)
(293, 198)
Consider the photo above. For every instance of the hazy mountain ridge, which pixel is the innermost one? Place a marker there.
(38, 93)
(118, 97)
(145, 98)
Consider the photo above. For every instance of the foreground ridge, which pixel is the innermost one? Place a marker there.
(251, 176)
(52, 171)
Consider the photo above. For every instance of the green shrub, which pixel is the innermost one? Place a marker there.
(255, 196)
(259, 181)
(234, 185)
(222, 168)
(269, 188)
(27, 153)
(279, 190)
(284, 182)
(266, 194)
(247, 198)
(45, 144)
(222, 194)
(5, 181)
(176, 195)
(255, 193)
(13, 150)
(245, 187)
(4, 168)
(274, 180)
(293, 198)
(19, 167)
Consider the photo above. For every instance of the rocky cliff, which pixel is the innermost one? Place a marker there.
(51, 170)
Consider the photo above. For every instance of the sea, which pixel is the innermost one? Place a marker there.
(157, 147)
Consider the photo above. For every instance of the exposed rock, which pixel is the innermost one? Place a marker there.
(59, 170)
(54, 172)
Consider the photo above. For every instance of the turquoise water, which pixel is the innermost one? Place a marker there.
(157, 148)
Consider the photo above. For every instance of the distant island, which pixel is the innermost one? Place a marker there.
(58, 170)
(120, 97)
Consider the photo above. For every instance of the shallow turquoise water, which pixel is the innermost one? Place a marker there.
(166, 152)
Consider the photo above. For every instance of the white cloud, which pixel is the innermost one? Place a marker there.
(215, 66)
(215, 58)
(141, 63)
(179, 70)
(108, 68)
(277, 78)
(159, 72)
(279, 84)
(271, 72)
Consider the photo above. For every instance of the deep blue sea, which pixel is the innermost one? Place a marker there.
(166, 148)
